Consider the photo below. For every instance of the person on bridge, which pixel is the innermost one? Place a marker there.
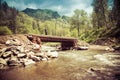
(38, 40)
(37, 43)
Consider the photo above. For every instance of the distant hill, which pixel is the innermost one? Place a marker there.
(42, 14)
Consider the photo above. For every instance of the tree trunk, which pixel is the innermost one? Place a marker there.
(116, 10)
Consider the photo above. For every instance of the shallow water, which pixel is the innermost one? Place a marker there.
(70, 65)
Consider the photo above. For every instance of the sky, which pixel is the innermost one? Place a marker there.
(63, 7)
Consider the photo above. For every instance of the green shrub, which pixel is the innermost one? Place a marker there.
(4, 30)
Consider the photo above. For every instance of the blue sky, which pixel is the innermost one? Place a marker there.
(64, 7)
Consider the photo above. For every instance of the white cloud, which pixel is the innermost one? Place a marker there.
(64, 8)
(89, 10)
(70, 11)
(21, 5)
(33, 6)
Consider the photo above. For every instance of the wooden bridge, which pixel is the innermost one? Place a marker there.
(66, 43)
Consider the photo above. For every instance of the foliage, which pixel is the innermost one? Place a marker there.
(100, 13)
(26, 24)
(104, 22)
(116, 17)
(4, 30)
(56, 27)
(80, 21)
(7, 19)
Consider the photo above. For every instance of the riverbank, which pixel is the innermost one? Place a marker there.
(70, 65)
(17, 50)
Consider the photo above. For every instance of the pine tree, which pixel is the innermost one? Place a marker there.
(100, 13)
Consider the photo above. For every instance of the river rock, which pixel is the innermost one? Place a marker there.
(1, 54)
(29, 54)
(116, 47)
(35, 58)
(21, 48)
(2, 61)
(44, 59)
(13, 62)
(21, 55)
(1, 66)
(6, 54)
(36, 47)
(13, 42)
(109, 49)
(15, 52)
(3, 50)
(14, 58)
(27, 61)
(40, 54)
(52, 54)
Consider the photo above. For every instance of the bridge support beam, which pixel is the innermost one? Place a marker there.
(68, 45)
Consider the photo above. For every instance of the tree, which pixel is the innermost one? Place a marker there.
(100, 13)
(78, 19)
(116, 13)
(8, 16)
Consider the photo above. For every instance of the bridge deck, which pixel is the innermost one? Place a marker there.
(66, 42)
(47, 38)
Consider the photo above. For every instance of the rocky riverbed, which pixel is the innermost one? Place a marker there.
(70, 65)
(97, 63)
(19, 51)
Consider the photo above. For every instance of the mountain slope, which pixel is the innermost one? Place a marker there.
(42, 14)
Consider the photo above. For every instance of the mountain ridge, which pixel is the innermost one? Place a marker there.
(42, 14)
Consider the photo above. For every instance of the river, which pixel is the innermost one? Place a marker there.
(70, 65)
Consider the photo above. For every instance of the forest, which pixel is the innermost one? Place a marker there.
(102, 24)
